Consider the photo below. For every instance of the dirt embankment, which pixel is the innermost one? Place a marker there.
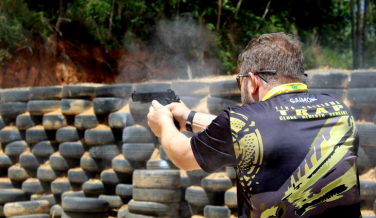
(59, 62)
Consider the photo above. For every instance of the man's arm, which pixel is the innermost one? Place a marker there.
(176, 145)
(181, 112)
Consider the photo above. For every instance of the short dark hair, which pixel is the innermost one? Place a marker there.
(274, 51)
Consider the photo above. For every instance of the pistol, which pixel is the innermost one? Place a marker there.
(163, 98)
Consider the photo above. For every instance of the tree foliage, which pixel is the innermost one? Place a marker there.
(323, 25)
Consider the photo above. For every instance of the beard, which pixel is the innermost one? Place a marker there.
(245, 96)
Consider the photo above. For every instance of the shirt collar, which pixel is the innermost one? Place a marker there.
(285, 88)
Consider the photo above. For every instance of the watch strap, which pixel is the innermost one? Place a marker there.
(188, 124)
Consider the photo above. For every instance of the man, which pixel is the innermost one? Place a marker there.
(294, 151)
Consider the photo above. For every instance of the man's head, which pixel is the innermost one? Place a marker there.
(275, 51)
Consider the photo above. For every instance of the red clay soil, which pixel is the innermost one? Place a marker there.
(58, 62)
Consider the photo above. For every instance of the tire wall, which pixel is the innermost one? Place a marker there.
(92, 142)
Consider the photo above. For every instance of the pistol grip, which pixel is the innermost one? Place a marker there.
(177, 124)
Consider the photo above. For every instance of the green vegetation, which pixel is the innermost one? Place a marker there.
(335, 33)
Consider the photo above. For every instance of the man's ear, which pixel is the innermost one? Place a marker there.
(255, 81)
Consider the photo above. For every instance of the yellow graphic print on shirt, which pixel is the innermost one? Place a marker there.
(299, 192)
(248, 149)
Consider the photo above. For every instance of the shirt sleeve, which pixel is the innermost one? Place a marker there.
(213, 147)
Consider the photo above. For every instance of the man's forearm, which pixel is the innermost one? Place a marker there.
(201, 120)
(178, 148)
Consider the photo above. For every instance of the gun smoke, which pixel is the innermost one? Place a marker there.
(180, 48)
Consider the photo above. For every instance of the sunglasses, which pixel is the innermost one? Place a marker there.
(239, 78)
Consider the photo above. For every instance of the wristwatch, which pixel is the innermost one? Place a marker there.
(188, 124)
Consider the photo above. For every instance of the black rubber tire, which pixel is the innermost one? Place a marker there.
(26, 121)
(38, 215)
(217, 105)
(216, 182)
(12, 109)
(138, 134)
(13, 95)
(157, 195)
(45, 148)
(367, 190)
(327, 80)
(367, 134)
(85, 121)
(5, 161)
(231, 172)
(72, 149)
(59, 162)
(185, 181)
(114, 201)
(54, 121)
(107, 105)
(197, 196)
(151, 87)
(2, 124)
(124, 190)
(362, 98)
(169, 179)
(94, 187)
(153, 208)
(120, 120)
(339, 93)
(46, 93)
(52, 199)
(121, 165)
(138, 151)
(231, 199)
(116, 90)
(104, 152)
(162, 153)
(77, 175)
(67, 214)
(190, 102)
(228, 88)
(110, 177)
(79, 194)
(366, 156)
(139, 111)
(197, 173)
(76, 204)
(216, 211)
(29, 161)
(17, 173)
(56, 211)
(68, 134)
(26, 208)
(60, 185)
(10, 134)
(35, 186)
(85, 92)
(38, 133)
(160, 165)
(41, 107)
(189, 88)
(14, 149)
(12, 195)
(6, 183)
(89, 164)
(99, 136)
(362, 80)
(46, 174)
(74, 106)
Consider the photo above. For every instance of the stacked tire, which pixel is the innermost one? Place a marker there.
(156, 193)
(326, 82)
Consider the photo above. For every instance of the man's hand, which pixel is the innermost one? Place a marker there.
(180, 113)
(158, 116)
